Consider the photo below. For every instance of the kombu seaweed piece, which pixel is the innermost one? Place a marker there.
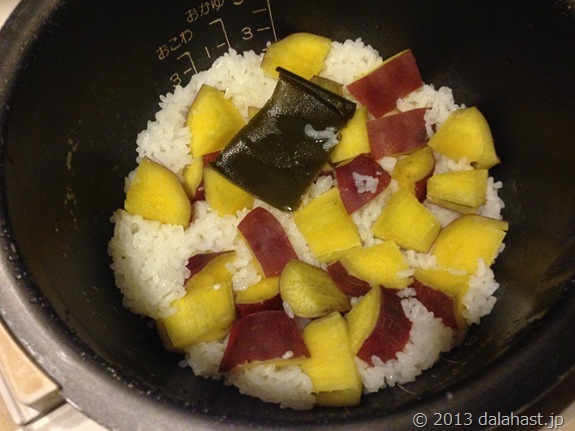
(273, 157)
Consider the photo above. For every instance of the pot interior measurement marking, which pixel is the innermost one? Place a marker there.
(271, 27)
(218, 22)
(222, 44)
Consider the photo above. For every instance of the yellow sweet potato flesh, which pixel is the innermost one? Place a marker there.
(407, 222)
(326, 226)
(193, 176)
(380, 264)
(156, 193)
(466, 133)
(363, 317)
(264, 289)
(300, 53)
(462, 191)
(207, 310)
(223, 195)
(310, 291)
(467, 239)
(413, 167)
(354, 140)
(213, 121)
(454, 285)
(213, 273)
(331, 367)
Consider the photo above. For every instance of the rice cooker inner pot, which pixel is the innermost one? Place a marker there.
(81, 79)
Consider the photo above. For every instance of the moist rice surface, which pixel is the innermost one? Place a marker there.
(149, 258)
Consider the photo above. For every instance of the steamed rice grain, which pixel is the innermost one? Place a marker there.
(149, 258)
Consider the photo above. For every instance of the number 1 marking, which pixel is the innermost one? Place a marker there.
(227, 42)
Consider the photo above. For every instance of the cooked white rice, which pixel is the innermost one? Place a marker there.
(288, 386)
(149, 258)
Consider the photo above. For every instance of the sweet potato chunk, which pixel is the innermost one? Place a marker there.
(363, 317)
(268, 241)
(156, 193)
(395, 78)
(381, 264)
(207, 310)
(300, 53)
(397, 134)
(413, 171)
(390, 333)
(213, 120)
(462, 191)
(331, 367)
(268, 336)
(454, 285)
(466, 134)
(406, 221)
(310, 291)
(467, 239)
(326, 226)
(262, 296)
(360, 181)
(354, 140)
(223, 195)
(439, 303)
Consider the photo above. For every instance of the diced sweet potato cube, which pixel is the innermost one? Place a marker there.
(300, 53)
(202, 264)
(351, 285)
(381, 264)
(363, 317)
(310, 291)
(266, 288)
(223, 195)
(391, 331)
(204, 314)
(354, 140)
(331, 367)
(466, 133)
(207, 310)
(413, 170)
(193, 176)
(262, 296)
(359, 181)
(396, 77)
(326, 226)
(272, 304)
(397, 134)
(462, 191)
(268, 241)
(213, 272)
(213, 120)
(439, 303)
(406, 221)
(156, 193)
(264, 337)
(467, 239)
(454, 285)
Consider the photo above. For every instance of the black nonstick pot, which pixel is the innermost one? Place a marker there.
(79, 79)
